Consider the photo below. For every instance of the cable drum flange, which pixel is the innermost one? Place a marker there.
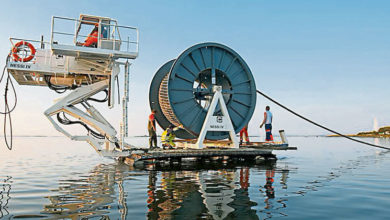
(155, 97)
(185, 92)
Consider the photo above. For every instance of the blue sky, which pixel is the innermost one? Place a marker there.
(329, 60)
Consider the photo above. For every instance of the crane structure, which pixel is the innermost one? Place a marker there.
(86, 61)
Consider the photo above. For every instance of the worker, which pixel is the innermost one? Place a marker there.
(168, 136)
(104, 32)
(92, 39)
(244, 132)
(267, 121)
(152, 130)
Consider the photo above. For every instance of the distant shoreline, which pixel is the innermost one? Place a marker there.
(383, 132)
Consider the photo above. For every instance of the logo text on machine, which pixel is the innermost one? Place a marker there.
(20, 65)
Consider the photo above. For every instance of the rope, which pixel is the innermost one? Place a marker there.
(318, 125)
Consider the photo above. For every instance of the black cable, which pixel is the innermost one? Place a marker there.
(9, 144)
(318, 125)
(7, 109)
(57, 88)
(67, 121)
(100, 100)
(92, 132)
(9, 81)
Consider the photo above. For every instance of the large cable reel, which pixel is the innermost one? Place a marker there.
(181, 89)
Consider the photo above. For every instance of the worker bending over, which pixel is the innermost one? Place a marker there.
(168, 136)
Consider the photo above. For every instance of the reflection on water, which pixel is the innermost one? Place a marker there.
(4, 195)
(68, 185)
(190, 194)
(91, 196)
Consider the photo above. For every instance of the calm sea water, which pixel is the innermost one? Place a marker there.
(326, 178)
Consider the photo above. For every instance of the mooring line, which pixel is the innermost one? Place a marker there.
(318, 125)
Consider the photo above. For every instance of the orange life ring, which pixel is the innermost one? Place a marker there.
(16, 49)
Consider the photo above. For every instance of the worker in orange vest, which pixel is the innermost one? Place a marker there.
(92, 39)
(152, 130)
(244, 132)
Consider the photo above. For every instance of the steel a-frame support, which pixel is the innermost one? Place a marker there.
(217, 123)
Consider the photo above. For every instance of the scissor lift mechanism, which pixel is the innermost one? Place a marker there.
(91, 70)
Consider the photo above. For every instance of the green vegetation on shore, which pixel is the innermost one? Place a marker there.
(382, 132)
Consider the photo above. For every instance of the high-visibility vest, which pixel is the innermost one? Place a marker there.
(91, 39)
(165, 137)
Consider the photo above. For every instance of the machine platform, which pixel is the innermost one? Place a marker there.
(247, 152)
(91, 53)
(95, 38)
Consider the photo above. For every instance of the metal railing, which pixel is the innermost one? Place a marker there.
(118, 38)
